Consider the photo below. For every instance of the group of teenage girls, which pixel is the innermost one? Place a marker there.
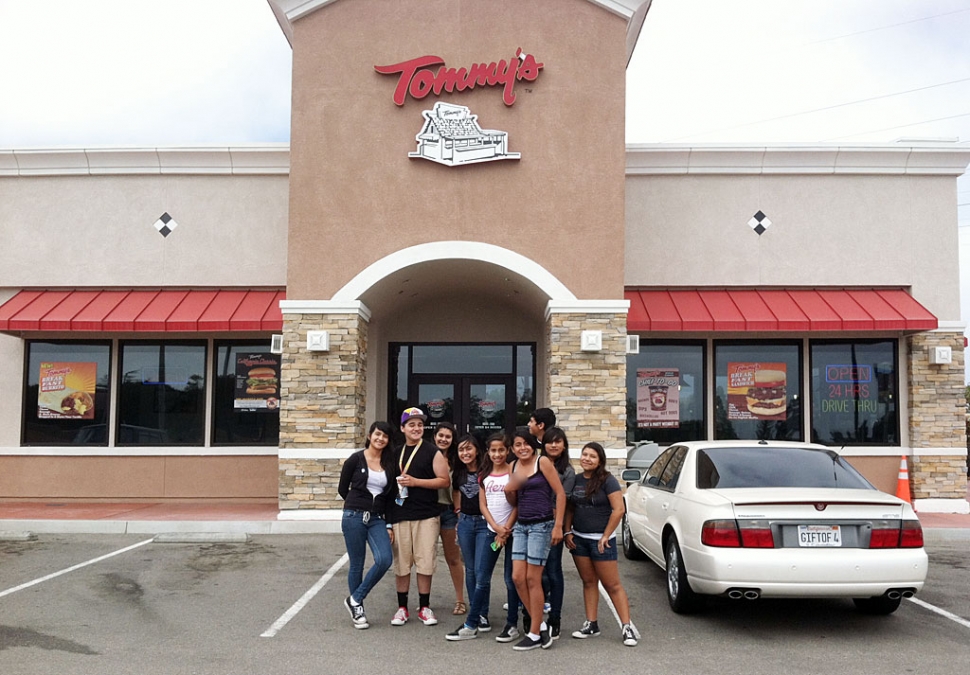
(518, 498)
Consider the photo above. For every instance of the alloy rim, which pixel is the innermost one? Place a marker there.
(672, 570)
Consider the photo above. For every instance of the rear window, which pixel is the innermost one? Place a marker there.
(766, 467)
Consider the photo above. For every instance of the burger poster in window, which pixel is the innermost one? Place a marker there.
(757, 391)
(257, 383)
(658, 398)
(66, 390)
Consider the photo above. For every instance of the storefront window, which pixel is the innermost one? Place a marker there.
(665, 393)
(757, 391)
(66, 393)
(161, 396)
(246, 395)
(853, 392)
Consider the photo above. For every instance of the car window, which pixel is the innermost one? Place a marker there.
(768, 466)
(657, 468)
(671, 473)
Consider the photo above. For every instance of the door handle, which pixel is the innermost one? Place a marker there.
(665, 506)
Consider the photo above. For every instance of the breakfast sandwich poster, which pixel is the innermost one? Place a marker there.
(257, 383)
(67, 390)
(757, 391)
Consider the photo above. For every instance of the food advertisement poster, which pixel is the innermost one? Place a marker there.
(658, 398)
(257, 383)
(757, 391)
(66, 390)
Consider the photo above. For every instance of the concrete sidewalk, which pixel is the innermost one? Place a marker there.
(227, 517)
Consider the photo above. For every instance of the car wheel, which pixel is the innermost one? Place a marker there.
(880, 605)
(682, 598)
(630, 550)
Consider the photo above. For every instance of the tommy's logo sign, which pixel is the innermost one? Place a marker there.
(418, 80)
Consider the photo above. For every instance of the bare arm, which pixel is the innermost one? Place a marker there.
(439, 481)
(616, 503)
(552, 476)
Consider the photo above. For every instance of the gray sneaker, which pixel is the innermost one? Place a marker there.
(462, 633)
(508, 634)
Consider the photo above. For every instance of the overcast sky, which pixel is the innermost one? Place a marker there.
(187, 72)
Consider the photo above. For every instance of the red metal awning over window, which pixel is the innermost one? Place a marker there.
(750, 310)
(143, 311)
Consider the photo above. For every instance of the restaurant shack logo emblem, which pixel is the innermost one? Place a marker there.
(451, 136)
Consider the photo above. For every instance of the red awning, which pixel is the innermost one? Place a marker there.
(776, 310)
(143, 311)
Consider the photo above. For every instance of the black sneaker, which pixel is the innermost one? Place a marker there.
(554, 630)
(545, 638)
(527, 643)
(631, 636)
(463, 632)
(356, 614)
(508, 634)
(589, 629)
(483, 625)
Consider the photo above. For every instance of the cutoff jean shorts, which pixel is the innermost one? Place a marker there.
(531, 542)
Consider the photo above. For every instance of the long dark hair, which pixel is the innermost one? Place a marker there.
(485, 463)
(461, 469)
(451, 453)
(386, 454)
(562, 461)
(598, 479)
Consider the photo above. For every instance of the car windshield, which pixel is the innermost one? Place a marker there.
(770, 467)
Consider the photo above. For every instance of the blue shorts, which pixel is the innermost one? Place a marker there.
(449, 519)
(532, 542)
(588, 548)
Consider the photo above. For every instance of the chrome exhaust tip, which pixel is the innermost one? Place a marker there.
(735, 594)
(894, 594)
(908, 593)
(752, 594)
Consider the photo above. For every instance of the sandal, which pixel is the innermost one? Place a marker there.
(459, 608)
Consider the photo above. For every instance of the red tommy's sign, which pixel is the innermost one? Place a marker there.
(418, 80)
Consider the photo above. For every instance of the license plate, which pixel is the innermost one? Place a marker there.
(819, 535)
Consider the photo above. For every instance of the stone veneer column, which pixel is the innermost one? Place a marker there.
(322, 396)
(587, 390)
(937, 424)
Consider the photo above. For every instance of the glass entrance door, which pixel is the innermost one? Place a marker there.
(479, 405)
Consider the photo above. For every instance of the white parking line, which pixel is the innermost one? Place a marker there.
(942, 612)
(302, 602)
(72, 568)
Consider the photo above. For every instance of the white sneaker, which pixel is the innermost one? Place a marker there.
(400, 617)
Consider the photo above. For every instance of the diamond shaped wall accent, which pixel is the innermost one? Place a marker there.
(165, 224)
(759, 223)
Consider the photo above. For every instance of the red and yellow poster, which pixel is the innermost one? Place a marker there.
(757, 391)
(658, 398)
(67, 390)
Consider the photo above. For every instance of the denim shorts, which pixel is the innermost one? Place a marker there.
(532, 542)
(588, 548)
(449, 519)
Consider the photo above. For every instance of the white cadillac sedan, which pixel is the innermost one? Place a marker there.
(751, 519)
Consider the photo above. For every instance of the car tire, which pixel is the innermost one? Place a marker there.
(880, 605)
(682, 598)
(630, 550)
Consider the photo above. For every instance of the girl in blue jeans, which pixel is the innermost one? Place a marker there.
(367, 482)
(556, 447)
(484, 526)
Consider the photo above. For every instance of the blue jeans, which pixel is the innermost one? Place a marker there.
(531, 541)
(357, 536)
(475, 540)
(512, 617)
(552, 578)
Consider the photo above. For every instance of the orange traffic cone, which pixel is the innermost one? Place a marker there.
(902, 485)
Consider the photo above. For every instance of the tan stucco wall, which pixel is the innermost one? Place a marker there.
(355, 197)
(232, 231)
(120, 477)
(11, 375)
(833, 230)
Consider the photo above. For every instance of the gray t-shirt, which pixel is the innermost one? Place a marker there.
(591, 516)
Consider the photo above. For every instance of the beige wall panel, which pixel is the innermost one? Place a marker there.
(138, 477)
(355, 197)
(11, 377)
(883, 472)
(94, 231)
(826, 230)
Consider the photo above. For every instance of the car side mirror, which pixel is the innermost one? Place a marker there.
(631, 475)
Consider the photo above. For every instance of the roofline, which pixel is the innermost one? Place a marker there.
(942, 159)
(634, 11)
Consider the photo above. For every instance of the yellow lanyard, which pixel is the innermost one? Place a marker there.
(404, 468)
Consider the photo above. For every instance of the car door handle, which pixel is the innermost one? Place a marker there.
(665, 506)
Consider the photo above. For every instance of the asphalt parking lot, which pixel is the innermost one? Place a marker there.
(272, 604)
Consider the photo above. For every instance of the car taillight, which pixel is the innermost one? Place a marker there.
(722, 533)
(908, 534)
(911, 535)
(757, 536)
